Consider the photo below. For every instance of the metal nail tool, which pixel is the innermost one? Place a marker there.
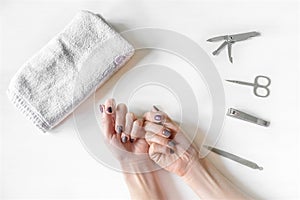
(231, 39)
(234, 157)
(258, 88)
(246, 117)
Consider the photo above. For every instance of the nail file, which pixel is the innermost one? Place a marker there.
(234, 158)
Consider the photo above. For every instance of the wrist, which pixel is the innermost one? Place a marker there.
(192, 163)
(209, 183)
(194, 171)
(137, 164)
(143, 185)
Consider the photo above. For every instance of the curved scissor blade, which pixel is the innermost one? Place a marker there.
(216, 39)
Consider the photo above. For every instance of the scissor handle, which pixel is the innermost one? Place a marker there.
(257, 85)
(261, 85)
(258, 94)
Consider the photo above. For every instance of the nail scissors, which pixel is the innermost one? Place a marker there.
(230, 39)
(257, 86)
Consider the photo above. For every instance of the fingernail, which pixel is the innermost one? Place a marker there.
(157, 117)
(166, 133)
(124, 139)
(101, 108)
(172, 151)
(131, 140)
(109, 109)
(171, 143)
(119, 129)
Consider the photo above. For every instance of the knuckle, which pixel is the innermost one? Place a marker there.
(137, 123)
(130, 115)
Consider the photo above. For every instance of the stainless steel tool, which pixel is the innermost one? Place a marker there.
(234, 157)
(259, 89)
(231, 39)
(246, 117)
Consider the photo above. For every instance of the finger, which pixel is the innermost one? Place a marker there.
(155, 116)
(130, 118)
(137, 129)
(154, 138)
(121, 111)
(124, 138)
(157, 129)
(162, 118)
(107, 123)
(110, 105)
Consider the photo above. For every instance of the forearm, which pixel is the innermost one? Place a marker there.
(209, 183)
(144, 185)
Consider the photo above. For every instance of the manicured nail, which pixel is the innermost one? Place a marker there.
(166, 133)
(172, 151)
(131, 140)
(157, 117)
(171, 143)
(119, 129)
(124, 139)
(109, 109)
(101, 108)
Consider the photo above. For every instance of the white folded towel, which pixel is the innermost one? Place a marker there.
(50, 85)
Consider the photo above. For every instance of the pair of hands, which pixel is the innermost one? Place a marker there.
(140, 142)
(142, 145)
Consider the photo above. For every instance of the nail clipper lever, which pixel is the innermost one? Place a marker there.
(246, 117)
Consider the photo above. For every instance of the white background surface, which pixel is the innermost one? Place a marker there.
(55, 165)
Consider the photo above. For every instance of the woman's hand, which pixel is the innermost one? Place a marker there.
(169, 147)
(122, 130)
(125, 137)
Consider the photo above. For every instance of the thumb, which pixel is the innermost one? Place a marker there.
(157, 151)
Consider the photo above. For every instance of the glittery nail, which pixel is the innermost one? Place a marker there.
(171, 143)
(124, 139)
(166, 133)
(109, 109)
(172, 151)
(157, 117)
(119, 129)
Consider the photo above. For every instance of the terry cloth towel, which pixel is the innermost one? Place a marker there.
(51, 84)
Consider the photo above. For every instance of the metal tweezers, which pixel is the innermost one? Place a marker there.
(230, 39)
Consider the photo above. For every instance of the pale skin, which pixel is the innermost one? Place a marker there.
(140, 185)
(162, 142)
